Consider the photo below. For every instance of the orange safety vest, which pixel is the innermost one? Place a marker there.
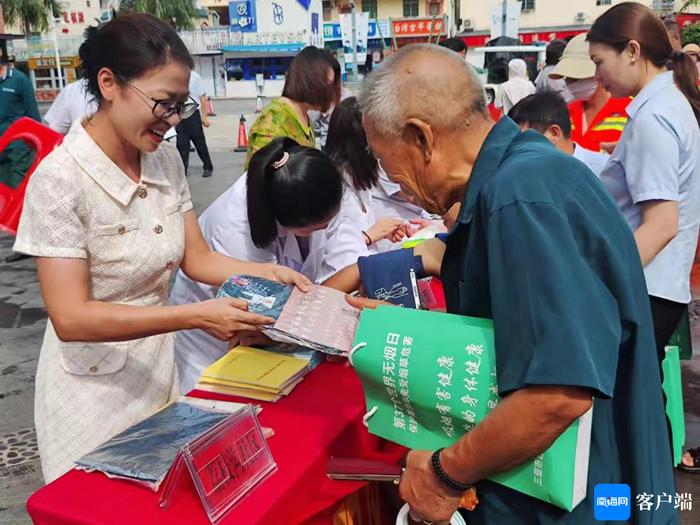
(607, 126)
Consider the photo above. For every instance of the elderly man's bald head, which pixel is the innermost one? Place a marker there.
(425, 82)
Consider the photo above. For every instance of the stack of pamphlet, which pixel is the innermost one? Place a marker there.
(319, 319)
(258, 374)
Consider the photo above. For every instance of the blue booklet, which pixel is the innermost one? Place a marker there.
(145, 451)
(263, 296)
(392, 277)
(319, 319)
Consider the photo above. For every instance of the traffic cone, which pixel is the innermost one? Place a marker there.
(242, 136)
(210, 108)
(258, 104)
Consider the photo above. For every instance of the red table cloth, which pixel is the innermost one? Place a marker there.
(322, 417)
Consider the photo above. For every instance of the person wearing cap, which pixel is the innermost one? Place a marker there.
(543, 83)
(693, 51)
(16, 101)
(597, 119)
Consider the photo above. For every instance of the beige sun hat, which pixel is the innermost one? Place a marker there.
(575, 61)
(691, 48)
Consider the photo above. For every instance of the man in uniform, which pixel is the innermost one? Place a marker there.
(16, 101)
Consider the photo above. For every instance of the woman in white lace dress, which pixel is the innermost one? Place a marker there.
(109, 217)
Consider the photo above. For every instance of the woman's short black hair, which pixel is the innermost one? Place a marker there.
(307, 79)
(346, 145)
(305, 189)
(129, 45)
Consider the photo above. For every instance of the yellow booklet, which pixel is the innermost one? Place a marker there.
(251, 367)
(258, 395)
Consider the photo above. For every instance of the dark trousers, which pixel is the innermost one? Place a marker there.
(15, 161)
(188, 130)
(666, 316)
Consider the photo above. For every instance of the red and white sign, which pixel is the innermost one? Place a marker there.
(478, 40)
(418, 27)
(225, 464)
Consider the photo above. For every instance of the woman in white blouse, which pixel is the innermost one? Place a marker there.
(108, 215)
(285, 210)
(347, 146)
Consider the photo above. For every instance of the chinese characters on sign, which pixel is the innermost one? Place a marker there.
(396, 380)
(242, 16)
(418, 27)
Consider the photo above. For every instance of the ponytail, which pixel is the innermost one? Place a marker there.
(290, 185)
(261, 218)
(685, 75)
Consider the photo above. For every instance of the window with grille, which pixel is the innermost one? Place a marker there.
(410, 8)
(528, 5)
(603, 2)
(370, 7)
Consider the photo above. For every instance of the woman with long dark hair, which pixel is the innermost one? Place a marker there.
(654, 172)
(285, 210)
(347, 146)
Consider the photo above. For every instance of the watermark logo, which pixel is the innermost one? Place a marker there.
(613, 502)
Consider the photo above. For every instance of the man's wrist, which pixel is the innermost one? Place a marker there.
(447, 476)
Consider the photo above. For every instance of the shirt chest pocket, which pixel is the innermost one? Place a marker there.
(94, 359)
(114, 243)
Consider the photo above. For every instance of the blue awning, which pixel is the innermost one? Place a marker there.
(264, 49)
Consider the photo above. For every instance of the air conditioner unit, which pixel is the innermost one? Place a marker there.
(467, 23)
(580, 16)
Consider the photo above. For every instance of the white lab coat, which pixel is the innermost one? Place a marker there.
(226, 229)
(387, 201)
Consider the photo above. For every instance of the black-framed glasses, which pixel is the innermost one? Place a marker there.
(165, 109)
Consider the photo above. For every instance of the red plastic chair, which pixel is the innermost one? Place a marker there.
(38, 137)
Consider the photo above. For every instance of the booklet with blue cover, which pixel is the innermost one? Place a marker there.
(319, 319)
(392, 277)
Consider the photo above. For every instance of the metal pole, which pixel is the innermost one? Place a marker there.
(355, 73)
(504, 16)
(57, 55)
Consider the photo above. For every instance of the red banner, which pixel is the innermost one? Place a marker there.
(525, 37)
(418, 27)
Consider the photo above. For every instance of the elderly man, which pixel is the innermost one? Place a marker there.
(541, 249)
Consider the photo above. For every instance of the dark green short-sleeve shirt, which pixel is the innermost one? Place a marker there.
(16, 98)
(541, 249)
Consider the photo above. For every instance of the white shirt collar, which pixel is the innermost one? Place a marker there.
(104, 171)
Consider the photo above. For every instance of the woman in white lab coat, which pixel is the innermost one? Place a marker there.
(347, 146)
(285, 210)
